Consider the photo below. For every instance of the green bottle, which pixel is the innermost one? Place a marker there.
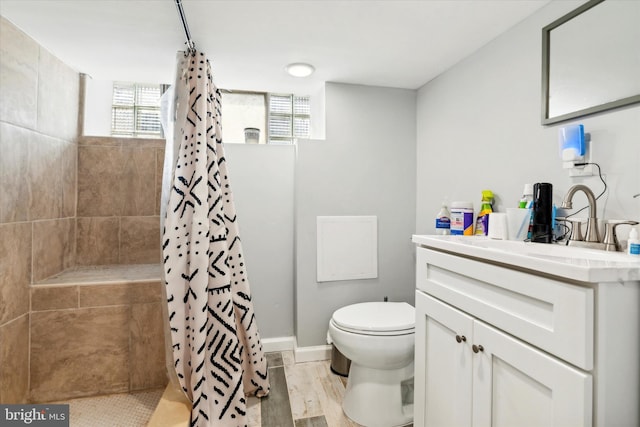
(482, 222)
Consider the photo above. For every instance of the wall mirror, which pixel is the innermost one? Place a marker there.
(591, 60)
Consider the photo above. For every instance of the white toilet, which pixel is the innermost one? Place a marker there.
(378, 337)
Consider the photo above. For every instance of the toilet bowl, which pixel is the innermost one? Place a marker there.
(378, 337)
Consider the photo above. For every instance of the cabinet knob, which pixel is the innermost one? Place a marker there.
(461, 338)
(477, 348)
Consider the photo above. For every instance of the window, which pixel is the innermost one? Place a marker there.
(289, 118)
(241, 110)
(136, 110)
(279, 118)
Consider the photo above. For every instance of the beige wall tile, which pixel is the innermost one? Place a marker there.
(53, 247)
(145, 292)
(48, 297)
(148, 369)
(58, 96)
(14, 161)
(100, 181)
(120, 294)
(68, 227)
(116, 180)
(103, 295)
(159, 171)
(14, 361)
(82, 102)
(45, 177)
(18, 76)
(122, 141)
(15, 270)
(97, 141)
(97, 241)
(139, 240)
(69, 179)
(149, 142)
(79, 352)
(139, 172)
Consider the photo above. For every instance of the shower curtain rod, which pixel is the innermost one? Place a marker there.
(191, 46)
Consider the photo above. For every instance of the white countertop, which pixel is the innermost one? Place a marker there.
(585, 265)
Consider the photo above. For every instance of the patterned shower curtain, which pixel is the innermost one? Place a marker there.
(217, 352)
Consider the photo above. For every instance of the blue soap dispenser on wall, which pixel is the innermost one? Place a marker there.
(572, 145)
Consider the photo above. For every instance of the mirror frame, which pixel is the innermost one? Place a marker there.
(546, 45)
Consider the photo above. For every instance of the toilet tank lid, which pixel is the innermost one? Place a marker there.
(376, 316)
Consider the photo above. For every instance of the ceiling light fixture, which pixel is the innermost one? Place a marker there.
(300, 69)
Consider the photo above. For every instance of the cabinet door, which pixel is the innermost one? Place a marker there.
(442, 392)
(515, 384)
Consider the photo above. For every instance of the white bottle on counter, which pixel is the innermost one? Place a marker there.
(443, 221)
(633, 243)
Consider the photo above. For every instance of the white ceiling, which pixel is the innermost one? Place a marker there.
(392, 43)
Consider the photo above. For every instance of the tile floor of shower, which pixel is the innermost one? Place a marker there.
(302, 395)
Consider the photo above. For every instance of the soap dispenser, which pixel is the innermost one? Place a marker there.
(633, 243)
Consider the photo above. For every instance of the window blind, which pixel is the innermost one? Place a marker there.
(289, 117)
(136, 110)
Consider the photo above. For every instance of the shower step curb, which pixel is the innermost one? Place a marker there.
(173, 410)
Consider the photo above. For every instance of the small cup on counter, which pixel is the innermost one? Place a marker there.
(518, 223)
(498, 226)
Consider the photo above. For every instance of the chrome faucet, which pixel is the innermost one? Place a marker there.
(592, 234)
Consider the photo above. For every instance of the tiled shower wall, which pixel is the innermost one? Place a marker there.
(119, 185)
(38, 152)
(67, 201)
(95, 339)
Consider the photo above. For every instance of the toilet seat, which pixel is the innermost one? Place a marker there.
(376, 318)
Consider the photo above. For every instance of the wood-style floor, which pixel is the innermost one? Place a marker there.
(302, 395)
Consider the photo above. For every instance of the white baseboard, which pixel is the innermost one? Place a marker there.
(278, 344)
(312, 354)
(301, 354)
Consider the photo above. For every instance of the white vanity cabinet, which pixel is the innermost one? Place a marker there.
(507, 345)
(507, 383)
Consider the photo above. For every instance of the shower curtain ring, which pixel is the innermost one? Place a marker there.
(191, 48)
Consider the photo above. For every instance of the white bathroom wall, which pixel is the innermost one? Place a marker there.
(365, 166)
(262, 182)
(318, 113)
(478, 127)
(97, 107)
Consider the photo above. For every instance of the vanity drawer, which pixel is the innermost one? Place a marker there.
(552, 315)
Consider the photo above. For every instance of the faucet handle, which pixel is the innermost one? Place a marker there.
(611, 242)
(576, 228)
